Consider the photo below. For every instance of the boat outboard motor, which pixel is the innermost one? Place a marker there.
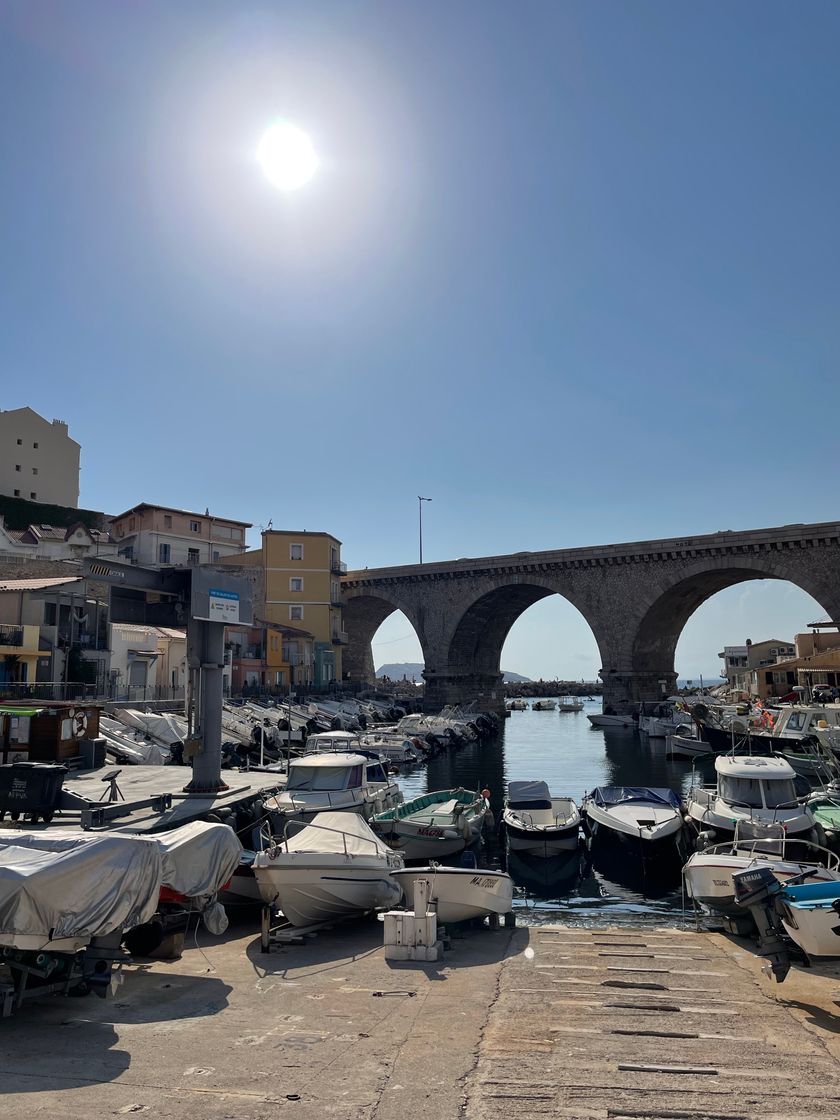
(756, 890)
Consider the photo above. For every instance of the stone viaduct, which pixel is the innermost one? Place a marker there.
(636, 598)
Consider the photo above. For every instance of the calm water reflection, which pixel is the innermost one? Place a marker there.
(563, 750)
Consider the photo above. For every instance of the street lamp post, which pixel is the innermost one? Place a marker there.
(420, 510)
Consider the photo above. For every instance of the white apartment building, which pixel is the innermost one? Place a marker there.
(162, 536)
(38, 459)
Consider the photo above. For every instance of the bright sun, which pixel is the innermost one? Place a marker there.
(287, 156)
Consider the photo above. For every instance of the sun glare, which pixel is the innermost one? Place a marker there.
(287, 156)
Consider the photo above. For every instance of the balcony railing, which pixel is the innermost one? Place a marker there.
(340, 638)
(11, 635)
(338, 567)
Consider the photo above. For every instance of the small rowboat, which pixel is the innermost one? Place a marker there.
(461, 893)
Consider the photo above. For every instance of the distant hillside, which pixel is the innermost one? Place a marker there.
(413, 671)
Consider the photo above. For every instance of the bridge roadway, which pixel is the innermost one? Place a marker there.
(636, 598)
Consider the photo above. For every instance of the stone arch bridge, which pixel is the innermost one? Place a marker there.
(636, 598)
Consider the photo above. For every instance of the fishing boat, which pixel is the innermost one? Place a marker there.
(437, 824)
(537, 824)
(825, 805)
(517, 706)
(543, 705)
(638, 815)
(750, 789)
(319, 783)
(569, 704)
(604, 719)
(708, 873)
(810, 917)
(685, 746)
(461, 893)
(332, 868)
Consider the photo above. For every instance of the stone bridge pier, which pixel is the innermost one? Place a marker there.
(636, 598)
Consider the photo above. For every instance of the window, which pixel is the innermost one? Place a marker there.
(236, 534)
(35, 445)
(164, 553)
(296, 552)
(742, 791)
(195, 526)
(17, 466)
(32, 495)
(192, 555)
(34, 470)
(49, 614)
(324, 778)
(296, 614)
(296, 583)
(216, 555)
(167, 521)
(17, 493)
(20, 443)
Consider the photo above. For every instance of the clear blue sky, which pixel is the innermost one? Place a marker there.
(568, 268)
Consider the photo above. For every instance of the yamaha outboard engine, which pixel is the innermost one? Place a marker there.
(756, 890)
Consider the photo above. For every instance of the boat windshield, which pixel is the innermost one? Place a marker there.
(324, 778)
(778, 794)
(796, 721)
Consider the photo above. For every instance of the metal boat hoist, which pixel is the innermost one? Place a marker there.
(207, 598)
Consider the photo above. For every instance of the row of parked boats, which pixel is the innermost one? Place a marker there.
(564, 704)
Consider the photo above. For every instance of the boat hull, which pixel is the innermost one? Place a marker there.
(327, 889)
(541, 843)
(708, 878)
(626, 722)
(461, 894)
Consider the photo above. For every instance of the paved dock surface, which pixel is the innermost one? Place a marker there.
(633, 1022)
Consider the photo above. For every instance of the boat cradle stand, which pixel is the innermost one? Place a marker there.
(284, 933)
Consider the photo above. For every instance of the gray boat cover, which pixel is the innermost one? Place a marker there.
(530, 795)
(76, 886)
(70, 884)
(335, 832)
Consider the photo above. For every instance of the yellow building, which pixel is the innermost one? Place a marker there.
(18, 655)
(301, 587)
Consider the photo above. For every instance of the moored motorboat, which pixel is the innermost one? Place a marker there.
(750, 789)
(332, 868)
(543, 705)
(537, 824)
(319, 783)
(434, 825)
(708, 873)
(569, 704)
(639, 815)
(610, 719)
(460, 893)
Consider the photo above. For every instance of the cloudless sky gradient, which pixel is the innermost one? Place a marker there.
(570, 269)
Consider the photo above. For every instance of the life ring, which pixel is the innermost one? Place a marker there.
(80, 725)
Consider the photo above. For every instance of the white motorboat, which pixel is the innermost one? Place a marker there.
(537, 824)
(569, 704)
(750, 789)
(461, 893)
(332, 868)
(434, 825)
(708, 873)
(319, 783)
(517, 705)
(544, 706)
(399, 750)
(809, 918)
(638, 815)
(605, 719)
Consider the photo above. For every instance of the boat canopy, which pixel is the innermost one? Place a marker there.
(754, 766)
(528, 795)
(336, 832)
(620, 795)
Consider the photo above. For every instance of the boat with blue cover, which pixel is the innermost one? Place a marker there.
(642, 816)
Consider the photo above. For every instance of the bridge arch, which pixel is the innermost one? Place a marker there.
(471, 658)
(362, 615)
(665, 615)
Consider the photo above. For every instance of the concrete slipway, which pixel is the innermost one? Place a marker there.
(620, 1022)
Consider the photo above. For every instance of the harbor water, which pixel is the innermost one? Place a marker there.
(572, 757)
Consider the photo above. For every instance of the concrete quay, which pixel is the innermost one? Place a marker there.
(584, 1022)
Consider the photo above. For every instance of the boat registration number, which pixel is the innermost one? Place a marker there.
(482, 881)
(429, 832)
